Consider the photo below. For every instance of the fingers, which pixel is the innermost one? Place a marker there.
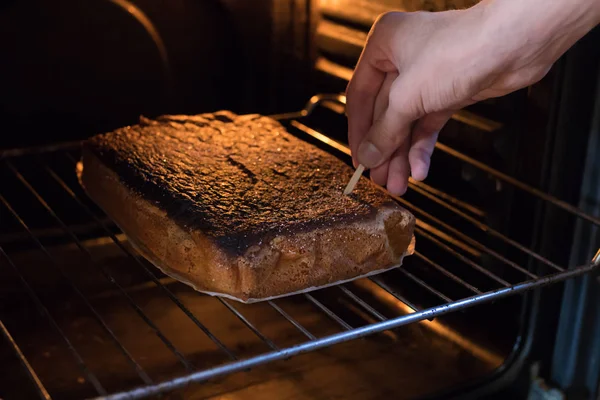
(385, 136)
(413, 156)
(399, 169)
(390, 130)
(360, 99)
(379, 174)
(383, 97)
(424, 137)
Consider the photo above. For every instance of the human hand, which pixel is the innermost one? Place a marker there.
(417, 69)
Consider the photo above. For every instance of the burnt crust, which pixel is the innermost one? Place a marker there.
(238, 179)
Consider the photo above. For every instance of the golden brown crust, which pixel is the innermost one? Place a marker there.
(238, 179)
(278, 266)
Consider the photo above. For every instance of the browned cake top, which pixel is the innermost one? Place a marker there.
(239, 179)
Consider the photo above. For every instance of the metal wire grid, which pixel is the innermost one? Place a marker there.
(444, 236)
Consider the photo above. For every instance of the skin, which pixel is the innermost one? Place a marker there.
(417, 69)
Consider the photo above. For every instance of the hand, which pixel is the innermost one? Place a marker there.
(417, 69)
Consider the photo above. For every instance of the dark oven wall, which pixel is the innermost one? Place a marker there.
(69, 69)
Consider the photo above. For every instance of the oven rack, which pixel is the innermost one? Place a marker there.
(442, 235)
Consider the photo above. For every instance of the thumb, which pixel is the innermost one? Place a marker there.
(386, 135)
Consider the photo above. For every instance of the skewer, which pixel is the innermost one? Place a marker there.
(354, 179)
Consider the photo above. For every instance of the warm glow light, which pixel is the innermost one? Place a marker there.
(453, 336)
(430, 229)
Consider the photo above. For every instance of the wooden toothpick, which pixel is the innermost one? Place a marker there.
(354, 179)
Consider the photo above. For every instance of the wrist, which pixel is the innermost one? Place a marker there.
(546, 29)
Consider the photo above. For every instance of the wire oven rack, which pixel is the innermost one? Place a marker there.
(443, 235)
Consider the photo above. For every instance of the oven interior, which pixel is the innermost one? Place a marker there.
(83, 315)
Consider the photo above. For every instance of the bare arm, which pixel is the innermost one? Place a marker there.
(417, 69)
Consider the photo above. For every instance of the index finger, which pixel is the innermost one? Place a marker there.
(360, 99)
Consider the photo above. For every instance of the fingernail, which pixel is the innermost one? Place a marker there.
(420, 170)
(396, 188)
(369, 155)
(418, 173)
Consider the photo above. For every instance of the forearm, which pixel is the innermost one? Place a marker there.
(539, 30)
